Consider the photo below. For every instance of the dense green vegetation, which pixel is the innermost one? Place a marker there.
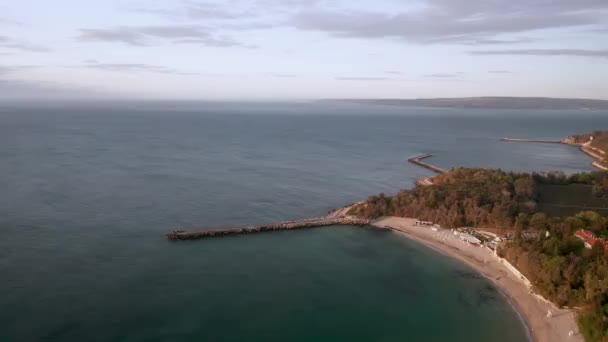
(600, 188)
(562, 270)
(543, 246)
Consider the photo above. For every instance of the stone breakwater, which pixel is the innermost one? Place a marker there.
(533, 140)
(418, 161)
(426, 181)
(287, 225)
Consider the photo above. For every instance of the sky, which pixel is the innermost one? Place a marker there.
(302, 49)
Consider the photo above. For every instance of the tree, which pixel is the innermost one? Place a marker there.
(574, 223)
(521, 222)
(557, 263)
(592, 220)
(538, 221)
(525, 187)
(597, 250)
(600, 187)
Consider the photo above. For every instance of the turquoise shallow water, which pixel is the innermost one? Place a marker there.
(334, 284)
(89, 191)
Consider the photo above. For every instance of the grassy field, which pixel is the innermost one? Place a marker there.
(567, 200)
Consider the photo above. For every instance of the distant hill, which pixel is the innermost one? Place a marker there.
(541, 103)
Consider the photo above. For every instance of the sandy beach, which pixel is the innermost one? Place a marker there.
(532, 308)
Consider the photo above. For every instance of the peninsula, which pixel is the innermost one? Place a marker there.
(594, 144)
(540, 238)
(522, 224)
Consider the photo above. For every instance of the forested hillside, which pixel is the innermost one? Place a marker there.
(553, 259)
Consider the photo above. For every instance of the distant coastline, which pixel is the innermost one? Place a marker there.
(593, 144)
(493, 102)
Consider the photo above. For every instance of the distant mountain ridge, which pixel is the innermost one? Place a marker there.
(541, 103)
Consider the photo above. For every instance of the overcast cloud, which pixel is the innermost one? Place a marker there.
(308, 48)
(150, 35)
(457, 21)
(134, 67)
(8, 43)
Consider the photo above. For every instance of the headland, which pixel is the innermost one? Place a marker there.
(505, 204)
(593, 144)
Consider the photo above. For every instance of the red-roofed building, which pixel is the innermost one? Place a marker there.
(590, 239)
(584, 234)
(587, 237)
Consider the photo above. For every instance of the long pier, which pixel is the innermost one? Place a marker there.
(532, 140)
(325, 221)
(418, 161)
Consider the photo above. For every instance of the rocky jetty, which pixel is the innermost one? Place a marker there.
(426, 181)
(287, 225)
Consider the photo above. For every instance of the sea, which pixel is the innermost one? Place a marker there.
(88, 190)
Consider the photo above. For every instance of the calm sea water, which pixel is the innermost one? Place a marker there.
(88, 190)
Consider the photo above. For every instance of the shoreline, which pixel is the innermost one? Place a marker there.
(593, 153)
(596, 154)
(531, 309)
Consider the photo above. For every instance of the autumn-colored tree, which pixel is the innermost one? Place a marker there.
(556, 262)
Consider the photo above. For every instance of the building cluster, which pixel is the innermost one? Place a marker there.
(426, 224)
(590, 239)
(469, 236)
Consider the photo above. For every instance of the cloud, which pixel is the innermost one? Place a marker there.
(279, 75)
(545, 52)
(134, 67)
(26, 89)
(13, 44)
(223, 41)
(357, 78)
(6, 21)
(232, 15)
(195, 10)
(146, 35)
(226, 11)
(122, 34)
(443, 75)
(458, 21)
(499, 72)
(8, 69)
(12, 87)
(392, 72)
(489, 41)
(141, 35)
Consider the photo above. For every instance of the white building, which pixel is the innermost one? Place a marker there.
(468, 238)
